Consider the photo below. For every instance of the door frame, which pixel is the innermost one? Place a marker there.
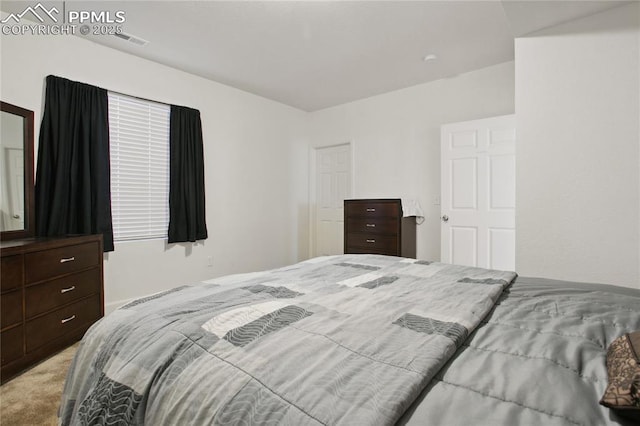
(313, 197)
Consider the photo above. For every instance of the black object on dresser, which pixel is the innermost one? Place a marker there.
(377, 227)
(52, 292)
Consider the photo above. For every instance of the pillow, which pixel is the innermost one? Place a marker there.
(623, 370)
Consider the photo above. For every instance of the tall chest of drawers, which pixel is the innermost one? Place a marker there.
(51, 293)
(377, 227)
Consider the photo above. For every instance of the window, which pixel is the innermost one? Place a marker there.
(139, 146)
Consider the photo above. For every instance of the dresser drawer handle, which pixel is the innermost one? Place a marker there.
(371, 225)
(71, 318)
(371, 210)
(67, 259)
(371, 241)
(65, 290)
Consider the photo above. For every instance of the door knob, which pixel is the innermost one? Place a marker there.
(445, 218)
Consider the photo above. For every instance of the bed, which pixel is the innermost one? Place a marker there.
(355, 339)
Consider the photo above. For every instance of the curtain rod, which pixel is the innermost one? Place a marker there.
(123, 94)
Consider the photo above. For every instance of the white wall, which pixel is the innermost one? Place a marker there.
(396, 137)
(255, 152)
(578, 154)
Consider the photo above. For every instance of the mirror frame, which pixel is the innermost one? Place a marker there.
(29, 198)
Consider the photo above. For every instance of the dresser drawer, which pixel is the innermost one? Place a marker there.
(49, 327)
(11, 309)
(372, 209)
(12, 345)
(372, 250)
(11, 272)
(52, 294)
(373, 225)
(379, 243)
(42, 265)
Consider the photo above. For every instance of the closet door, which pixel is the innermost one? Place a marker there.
(333, 186)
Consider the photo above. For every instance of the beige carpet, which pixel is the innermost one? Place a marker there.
(32, 398)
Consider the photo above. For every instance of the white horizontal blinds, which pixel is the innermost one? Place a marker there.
(139, 144)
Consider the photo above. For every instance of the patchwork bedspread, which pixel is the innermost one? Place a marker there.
(348, 339)
(537, 359)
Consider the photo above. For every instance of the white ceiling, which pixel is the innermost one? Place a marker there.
(316, 54)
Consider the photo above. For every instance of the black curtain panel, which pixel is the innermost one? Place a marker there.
(186, 186)
(73, 176)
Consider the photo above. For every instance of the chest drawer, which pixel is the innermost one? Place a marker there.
(47, 264)
(11, 309)
(373, 209)
(11, 272)
(372, 225)
(66, 320)
(52, 294)
(12, 344)
(382, 243)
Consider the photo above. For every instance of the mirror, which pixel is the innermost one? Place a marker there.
(17, 203)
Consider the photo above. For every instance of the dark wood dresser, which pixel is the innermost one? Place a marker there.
(377, 227)
(52, 291)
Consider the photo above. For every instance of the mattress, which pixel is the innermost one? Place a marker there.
(354, 339)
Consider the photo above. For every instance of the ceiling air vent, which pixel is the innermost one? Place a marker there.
(132, 39)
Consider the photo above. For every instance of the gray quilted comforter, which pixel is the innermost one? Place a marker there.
(347, 340)
(537, 359)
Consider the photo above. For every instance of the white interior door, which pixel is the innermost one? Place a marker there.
(333, 186)
(478, 168)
